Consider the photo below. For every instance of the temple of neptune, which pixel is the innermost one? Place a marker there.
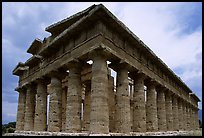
(67, 86)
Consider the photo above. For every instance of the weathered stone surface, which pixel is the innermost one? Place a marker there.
(151, 108)
(40, 121)
(122, 122)
(184, 116)
(55, 105)
(64, 105)
(111, 103)
(99, 116)
(175, 113)
(78, 39)
(139, 110)
(169, 111)
(30, 107)
(21, 110)
(74, 99)
(161, 110)
(180, 114)
(87, 108)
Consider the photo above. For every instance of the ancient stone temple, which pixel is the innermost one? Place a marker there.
(60, 90)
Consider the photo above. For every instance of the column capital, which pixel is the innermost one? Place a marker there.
(20, 89)
(75, 63)
(137, 75)
(98, 53)
(57, 74)
(43, 80)
(151, 82)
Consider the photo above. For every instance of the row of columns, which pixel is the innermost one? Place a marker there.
(162, 110)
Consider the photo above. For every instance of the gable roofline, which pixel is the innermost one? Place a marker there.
(122, 27)
(68, 21)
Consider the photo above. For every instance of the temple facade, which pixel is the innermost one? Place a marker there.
(147, 96)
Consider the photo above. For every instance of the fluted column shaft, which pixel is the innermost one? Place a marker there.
(139, 110)
(30, 108)
(122, 102)
(151, 108)
(188, 116)
(99, 116)
(55, 105)
(180, 114)
(64, 106)
(161, 109)
(196, 119)
(74, 99)
(40, 123)
(169, 111)
(111, 103)
(175, 113)
(184, 116)
(21, 110)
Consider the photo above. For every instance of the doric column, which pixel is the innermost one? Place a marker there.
(64, 105)
(40, 122)
(55, 104)
(87, 107)
(151, 107)
(139, 110)
(188, 115)
(99, 116)
(191, 117)
(122, 124)
(169, 112)
(111, 103)
(175, 113)
(180, 113)
(21, 109)
(196, 118)
(74, 99)
(184, 115)
(30, 107)
(161, 109)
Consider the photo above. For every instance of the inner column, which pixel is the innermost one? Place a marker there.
(87, 107)
(99, 116)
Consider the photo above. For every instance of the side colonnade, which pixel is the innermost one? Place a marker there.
(94, 106)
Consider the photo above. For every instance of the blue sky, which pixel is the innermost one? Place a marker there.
(172, 30)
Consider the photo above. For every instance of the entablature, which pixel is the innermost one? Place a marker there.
(35, 46)
(19, 69)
